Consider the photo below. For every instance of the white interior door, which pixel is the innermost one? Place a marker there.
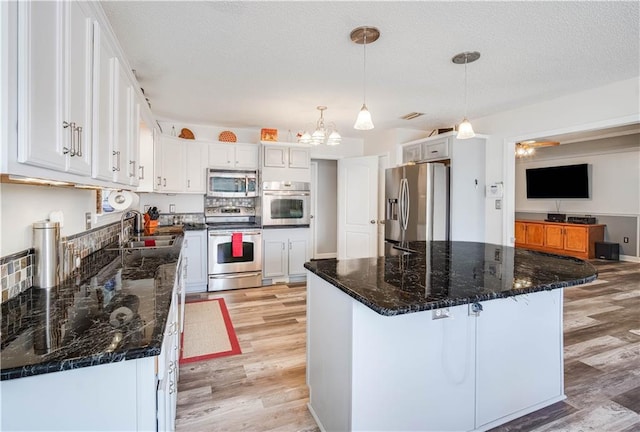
(358, 207)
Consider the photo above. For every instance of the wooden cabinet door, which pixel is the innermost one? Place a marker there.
(221, 156)
(576, 239)
(299, 158)
(275, 157)
(246, 156)
(535, 234)
(411, 153)
(196, 159)
(275, 257)
(521, 232)
(553, 237)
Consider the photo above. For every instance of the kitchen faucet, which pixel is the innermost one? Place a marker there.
(137, 226)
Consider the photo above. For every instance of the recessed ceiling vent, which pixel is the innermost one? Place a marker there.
(411, 115)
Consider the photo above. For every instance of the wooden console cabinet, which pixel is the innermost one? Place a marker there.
(559, 238)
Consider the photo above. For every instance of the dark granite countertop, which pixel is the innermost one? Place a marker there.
(442, 274)
(113, 309)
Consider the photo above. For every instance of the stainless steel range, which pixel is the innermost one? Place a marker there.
(234, 243)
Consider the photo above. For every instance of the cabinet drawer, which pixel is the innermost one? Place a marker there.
(438, 150)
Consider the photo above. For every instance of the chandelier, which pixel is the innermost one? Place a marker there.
(528, 148)
(323, 134)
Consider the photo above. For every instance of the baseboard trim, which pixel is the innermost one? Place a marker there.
(630, 258)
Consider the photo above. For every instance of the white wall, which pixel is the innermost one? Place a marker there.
(615, 177)
(22, 205)
(610, 105)
(185, 203)
(386, 141)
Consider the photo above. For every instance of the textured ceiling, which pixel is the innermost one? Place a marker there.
(269, 64)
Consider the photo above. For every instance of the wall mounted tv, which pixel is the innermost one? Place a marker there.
(558, 182)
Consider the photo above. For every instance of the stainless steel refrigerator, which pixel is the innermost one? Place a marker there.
(416, 204)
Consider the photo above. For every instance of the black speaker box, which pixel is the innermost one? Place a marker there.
(608, 251)
(556, 217)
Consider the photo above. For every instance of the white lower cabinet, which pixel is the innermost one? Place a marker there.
(285, 250)
(194, 250)
(131, 395)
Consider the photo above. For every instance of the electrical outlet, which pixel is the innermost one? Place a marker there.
(626, 239)
(172, 208)
(440, 313)
(498, 204)
(87, 220)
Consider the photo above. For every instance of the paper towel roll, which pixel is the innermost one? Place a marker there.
(123, 200)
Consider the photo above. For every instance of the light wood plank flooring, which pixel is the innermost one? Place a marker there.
(264, 388)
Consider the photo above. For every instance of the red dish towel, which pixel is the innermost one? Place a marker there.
(236, 245)
(148, 243)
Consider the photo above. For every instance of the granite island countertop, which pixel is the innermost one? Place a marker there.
(112, 309)
(442, 274)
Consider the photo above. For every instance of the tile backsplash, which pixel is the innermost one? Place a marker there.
(17, 270)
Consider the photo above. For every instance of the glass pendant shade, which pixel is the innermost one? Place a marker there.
(334, 139)
(317, 138)
(305, 138)
(363, 122)
(465, 130)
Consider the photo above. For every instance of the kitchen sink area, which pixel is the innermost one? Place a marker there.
(147, 242)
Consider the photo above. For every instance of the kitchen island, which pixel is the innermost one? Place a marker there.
(445, 336)
(97, 352)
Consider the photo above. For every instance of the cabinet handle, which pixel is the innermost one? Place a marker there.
(79, 152)
(72, 150)
(188, 183)
(132, 168)
(159, 181)
(141, 170)
(79, 141)
(116, 165)
(164, 182)
(186, 266)
(171, 387)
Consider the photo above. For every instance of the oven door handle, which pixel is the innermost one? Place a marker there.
(228, 234)
(287, 193)
(236, 275)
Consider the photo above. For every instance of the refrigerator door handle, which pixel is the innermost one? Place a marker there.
(404, 203)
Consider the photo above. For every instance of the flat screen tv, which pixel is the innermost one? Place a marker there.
(558, 182)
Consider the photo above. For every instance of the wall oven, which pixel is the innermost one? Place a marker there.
(235, 258)
(232, 184)
(285, 203)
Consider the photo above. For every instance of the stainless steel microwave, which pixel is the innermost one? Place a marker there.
(232, 184)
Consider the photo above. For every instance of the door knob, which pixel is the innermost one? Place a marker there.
(372, 221)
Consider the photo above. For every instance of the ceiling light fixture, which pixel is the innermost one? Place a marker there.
(364, 35)
(465, 130)
(528, 148)
(322, 135)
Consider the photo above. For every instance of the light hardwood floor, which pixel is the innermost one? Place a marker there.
(264, 388)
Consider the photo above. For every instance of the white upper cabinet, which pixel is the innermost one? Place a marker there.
(116, 116)
(196, 166)
(281, 162)
(55, 44)
(233, 156)
(170, 165)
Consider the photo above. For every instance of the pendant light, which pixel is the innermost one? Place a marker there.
(465, 130)
(364, 35)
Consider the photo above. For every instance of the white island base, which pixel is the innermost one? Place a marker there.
(464, 372)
